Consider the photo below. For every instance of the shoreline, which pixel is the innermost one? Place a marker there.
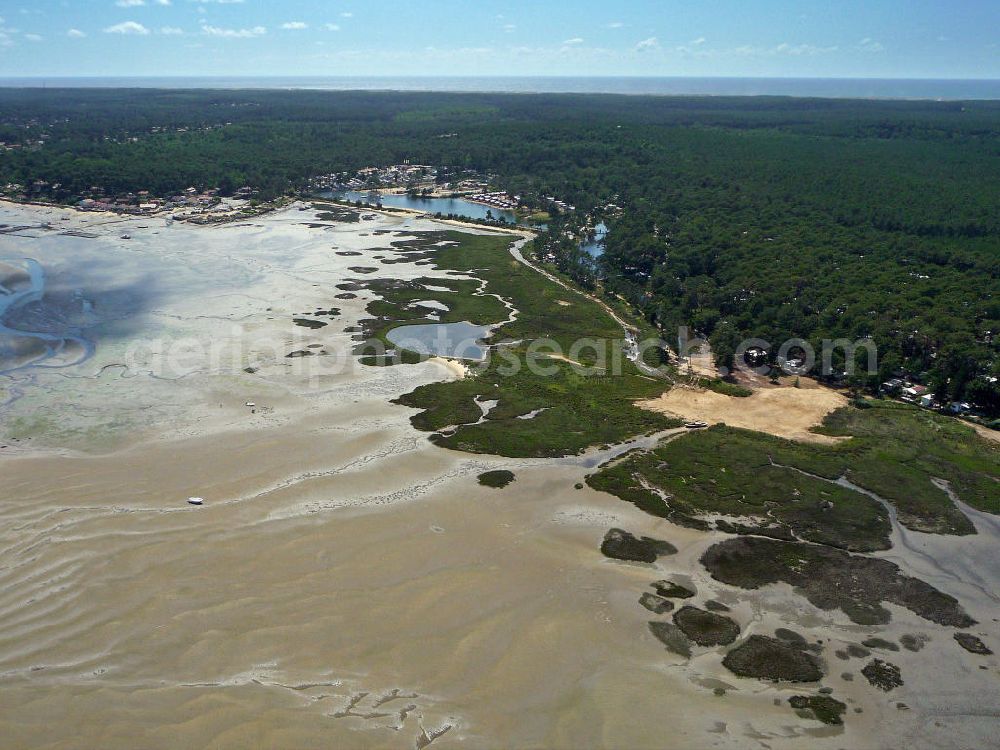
(345, 568)
(515, 229)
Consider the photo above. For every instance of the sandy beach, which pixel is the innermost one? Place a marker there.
(347, 583)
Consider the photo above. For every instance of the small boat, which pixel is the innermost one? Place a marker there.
(196, 500)
(696, 425)
(126, 236)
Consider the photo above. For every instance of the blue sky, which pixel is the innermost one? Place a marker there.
(876, 38)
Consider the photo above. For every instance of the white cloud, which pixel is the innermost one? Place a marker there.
(699, 40)
(332, 27)
(219, 2)
(651, 43)
(574, 40)
(127, 27)
(171, 31)
(33, 37)
(234, 33)
(75, 34)
(347, 14)
(616, 25)
(510, 28)
(294, 25)
(794, 50)
(130, 3)
(870, 45)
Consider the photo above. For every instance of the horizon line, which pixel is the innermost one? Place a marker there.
(420, 76)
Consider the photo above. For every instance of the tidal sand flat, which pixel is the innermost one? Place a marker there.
(348, 582)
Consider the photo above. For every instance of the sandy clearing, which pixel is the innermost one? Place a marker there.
(700, 362)
(784, 412)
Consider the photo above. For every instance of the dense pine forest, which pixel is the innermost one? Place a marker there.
(767, 217)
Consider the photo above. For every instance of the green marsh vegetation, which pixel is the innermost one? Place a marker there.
(570, 407)
(820, 707)
(757, 480)
(497, 479)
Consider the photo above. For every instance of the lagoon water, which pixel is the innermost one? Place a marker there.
(444, 206)
(456, 340)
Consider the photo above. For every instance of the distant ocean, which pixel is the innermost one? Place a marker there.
(838, 88)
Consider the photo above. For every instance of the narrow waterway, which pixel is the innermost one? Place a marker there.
(968, 566)
(20, 349)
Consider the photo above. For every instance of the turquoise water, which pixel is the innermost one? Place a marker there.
(456, 206)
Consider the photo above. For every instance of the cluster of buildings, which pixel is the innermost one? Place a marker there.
(19, 192)
(403, 176)
(4, 146)
(395, 176)
(190, 201)
(915, 393)
(555, 202)
(500, 200)
(422, 178)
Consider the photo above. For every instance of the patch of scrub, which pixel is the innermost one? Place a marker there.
(973, 644)
(913, 642)
(497, 479)
(656, 604)
(879, 643)
(820, 707)
(831, 578)
(770, 659)
(673, 590)
(706, 628)
(882, 674)
(621, 545)
(672, 637)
